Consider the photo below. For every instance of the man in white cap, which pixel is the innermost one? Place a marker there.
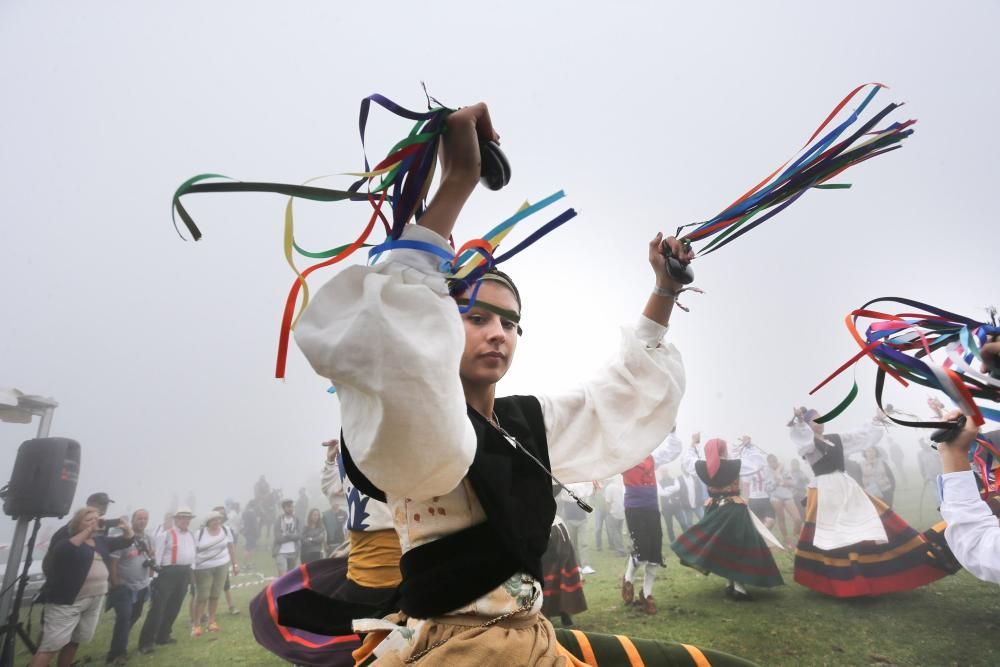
(175, 553)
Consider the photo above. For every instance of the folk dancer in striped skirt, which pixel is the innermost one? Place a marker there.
(730, 540)
(562, 589)
(852, 544)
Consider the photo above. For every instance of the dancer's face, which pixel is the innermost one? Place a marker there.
(490, 340)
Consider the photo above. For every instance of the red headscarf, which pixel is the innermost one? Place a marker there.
(715, 451)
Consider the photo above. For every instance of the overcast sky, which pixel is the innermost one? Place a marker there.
(648, 114)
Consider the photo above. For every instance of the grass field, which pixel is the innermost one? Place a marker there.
(949, 623)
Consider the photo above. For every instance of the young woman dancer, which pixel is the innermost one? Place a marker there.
(466, 474)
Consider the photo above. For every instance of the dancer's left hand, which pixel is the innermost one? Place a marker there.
(955, 454)
(659, 262)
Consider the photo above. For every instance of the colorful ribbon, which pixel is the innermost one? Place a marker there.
(817, 163)
(904, 345)
(402, 179)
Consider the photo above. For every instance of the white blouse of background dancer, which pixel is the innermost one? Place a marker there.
(854, 442)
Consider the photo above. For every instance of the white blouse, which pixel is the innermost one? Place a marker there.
(804, 440)
(973, 532)
(390, 339)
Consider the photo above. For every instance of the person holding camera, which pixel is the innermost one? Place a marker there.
(130, 573)
(74, 591)
(98, 501)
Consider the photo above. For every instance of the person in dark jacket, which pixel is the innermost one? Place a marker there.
(75, 589)
(313, 537)
(287, 536)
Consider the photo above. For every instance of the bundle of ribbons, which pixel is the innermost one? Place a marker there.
(813, 166)
(402, 180)
(931, 347)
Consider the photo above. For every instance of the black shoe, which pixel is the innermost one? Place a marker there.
(740, 596)
(145, 650)
(730, 590)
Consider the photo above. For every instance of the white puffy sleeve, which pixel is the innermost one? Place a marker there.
(689, 457)
(804, 440)
(862, 439)
(615, 420)
(973, 532)
(390, 340)
(668, 451)
(752, 461)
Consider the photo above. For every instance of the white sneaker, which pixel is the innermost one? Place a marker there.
(586, 569)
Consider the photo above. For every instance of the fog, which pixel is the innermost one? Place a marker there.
(649, 114)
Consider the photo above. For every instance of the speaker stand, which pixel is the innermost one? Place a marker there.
(10, 601)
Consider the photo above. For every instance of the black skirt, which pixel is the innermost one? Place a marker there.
(647, 533)
(563, 587)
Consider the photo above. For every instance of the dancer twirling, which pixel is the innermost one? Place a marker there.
(730, 540)
(467, 474)
(851, 543)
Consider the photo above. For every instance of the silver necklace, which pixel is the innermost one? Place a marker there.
(495, 423)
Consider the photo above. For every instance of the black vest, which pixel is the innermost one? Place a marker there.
(516, 495)
(833, 456)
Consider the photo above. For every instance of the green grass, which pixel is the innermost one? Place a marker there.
(949, 623)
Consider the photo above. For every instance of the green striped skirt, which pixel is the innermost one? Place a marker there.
(725, 542)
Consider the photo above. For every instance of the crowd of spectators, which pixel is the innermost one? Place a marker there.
(94, 565)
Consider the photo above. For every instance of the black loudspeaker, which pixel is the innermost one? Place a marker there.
(44, 479)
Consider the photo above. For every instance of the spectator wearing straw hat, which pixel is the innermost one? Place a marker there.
(213, 559)
(175, 555)
(230, 519)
